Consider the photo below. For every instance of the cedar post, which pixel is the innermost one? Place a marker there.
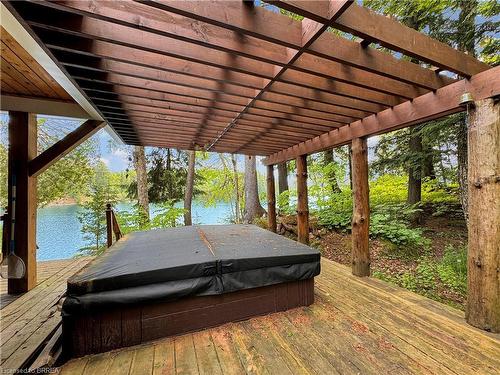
(361, 208)
(483, 298)
(271, 199)
(302, 200)
(22, 149)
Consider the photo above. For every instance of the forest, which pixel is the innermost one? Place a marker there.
(418, 192)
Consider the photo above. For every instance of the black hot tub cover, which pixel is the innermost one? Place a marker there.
(177, 262)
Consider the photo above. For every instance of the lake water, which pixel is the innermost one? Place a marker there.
(59, 235)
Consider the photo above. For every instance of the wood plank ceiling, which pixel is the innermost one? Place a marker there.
(23, 76)
(230, 76)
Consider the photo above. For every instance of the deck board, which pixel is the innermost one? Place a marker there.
(28, 319)
(355, 326)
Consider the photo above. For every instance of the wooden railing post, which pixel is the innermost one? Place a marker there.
(361, 208)
(109, 225)
(302, 201)
(271, 199)
(483, 264)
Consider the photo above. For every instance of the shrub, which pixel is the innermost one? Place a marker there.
(452, 269)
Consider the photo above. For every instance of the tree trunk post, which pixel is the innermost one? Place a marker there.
(139, 157)
(236, 190)
(188, 194)
(483, 265)
(253, 208)
(271, 199)
(361, 208)
(302, 201)
(22, 149)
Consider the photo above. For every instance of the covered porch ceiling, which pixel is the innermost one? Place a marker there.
(231, 76)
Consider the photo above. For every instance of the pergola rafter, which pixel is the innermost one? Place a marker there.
(131, 45)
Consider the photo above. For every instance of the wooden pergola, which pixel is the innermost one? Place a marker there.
(234, 77)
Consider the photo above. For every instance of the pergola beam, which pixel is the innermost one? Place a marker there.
(64, 146)
(427, 107)
(366, 24)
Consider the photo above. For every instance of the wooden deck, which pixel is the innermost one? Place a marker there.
(356, 326)
(28, 319)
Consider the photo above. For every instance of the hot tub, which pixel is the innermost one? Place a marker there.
(166, 282)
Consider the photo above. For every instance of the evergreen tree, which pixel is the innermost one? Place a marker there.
(93, 216)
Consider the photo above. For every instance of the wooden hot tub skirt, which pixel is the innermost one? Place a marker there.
(102, 331)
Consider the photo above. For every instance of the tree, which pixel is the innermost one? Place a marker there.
(329, 164)
(167, 175)
(139, 157)
(93, 216)
(282, 177)
(221, 183)
(188, 194)
(468, 34)
(68, 177)
(253, 208)
(236, 189)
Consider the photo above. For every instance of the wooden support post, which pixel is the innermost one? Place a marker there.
(483, 299)
(302, 200)
(271, 199)
(361, 208)
(22, 149)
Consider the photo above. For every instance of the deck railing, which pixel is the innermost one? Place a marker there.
(112, 226)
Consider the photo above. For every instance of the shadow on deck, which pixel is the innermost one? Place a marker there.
(358, 326)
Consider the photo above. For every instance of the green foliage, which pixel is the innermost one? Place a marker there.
(283, 203)
(217, 184)
(165, 215)
(452, 269)
(390, 223)
(431, 275)
(390, 215)
(337, 214)
(93, 216)
(167, 174)
(68, 177)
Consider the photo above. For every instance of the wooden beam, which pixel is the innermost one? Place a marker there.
(42, 106)
(271, 199)
(483, 296)
(64, 146)
(361, 208)
(22, 149)
(427, 107)
(366, 24)
(302, 200)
